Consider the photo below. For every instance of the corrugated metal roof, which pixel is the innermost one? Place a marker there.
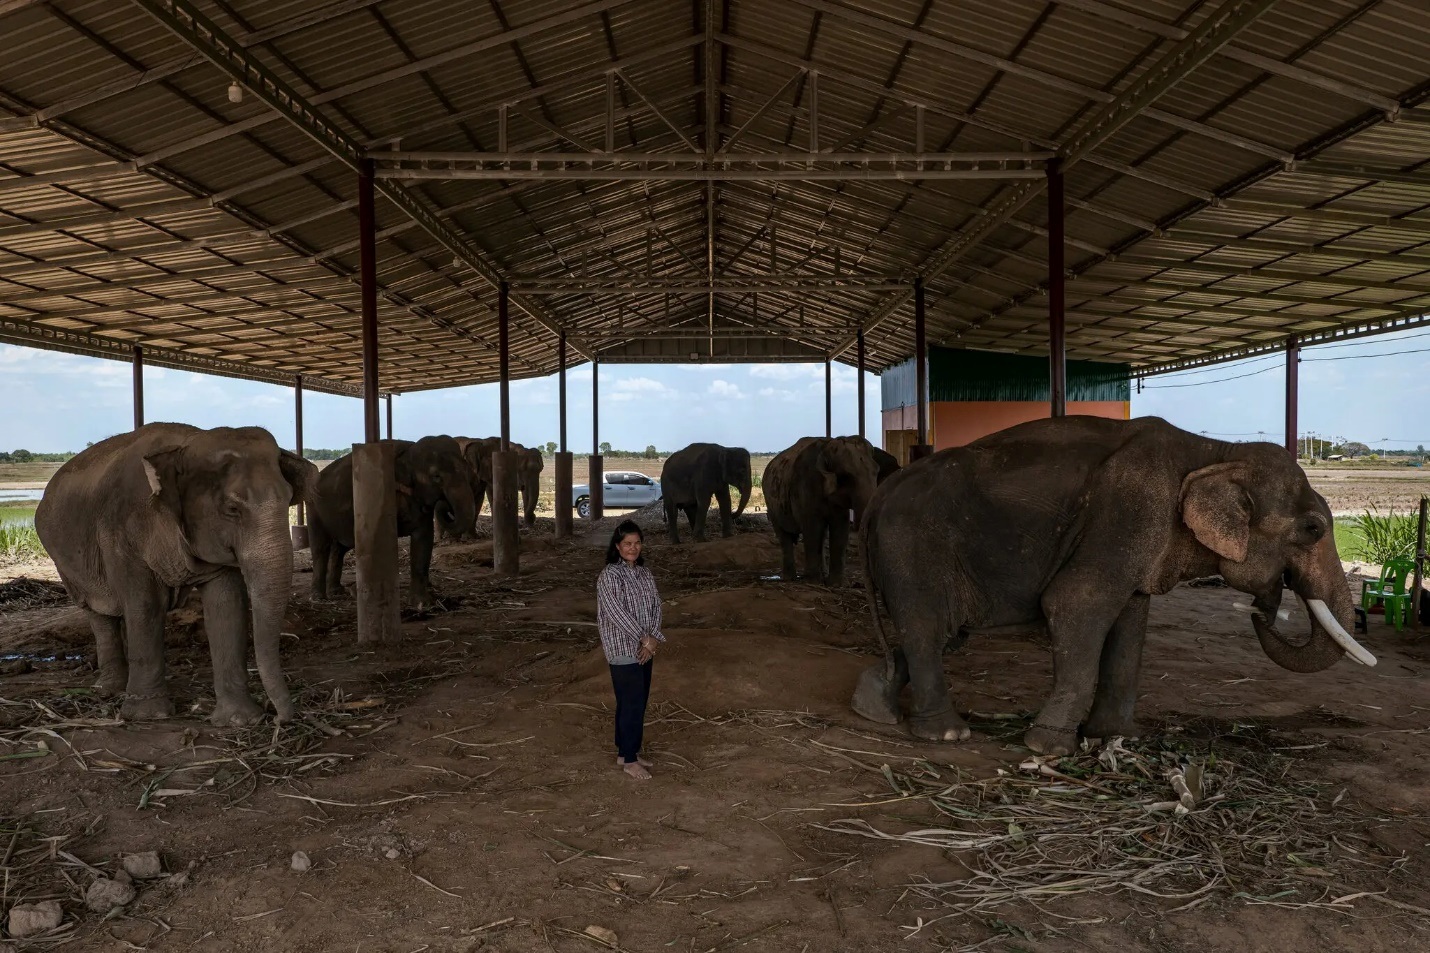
(1281, 186)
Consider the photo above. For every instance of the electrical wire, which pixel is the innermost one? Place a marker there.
(1219, 380)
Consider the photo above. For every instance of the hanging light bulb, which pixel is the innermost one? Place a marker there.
(235, 92)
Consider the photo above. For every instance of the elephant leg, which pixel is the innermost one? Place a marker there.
(1081, 607)
(146, 695)
(420, 553)
(787, 541)
(226, 621)
(109, 648)
(319, 545)
(838, 543)
(814, 553)
(692, 516)
(923, 632)
(876, 696)
(1114, 706)
(722, 499)
(700, 512)
(336, 552)
(672, 513)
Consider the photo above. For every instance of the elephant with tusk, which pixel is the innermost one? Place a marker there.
(135, 522)
(1071, 525)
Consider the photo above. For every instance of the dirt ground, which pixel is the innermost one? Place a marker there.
(459, 793)
(1351, 491)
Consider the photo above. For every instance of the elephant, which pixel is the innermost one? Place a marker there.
(691, 476)
(886, 462)
(1069, 526)
(810, 489)
(135, 522)
(528, 475)
(432, 477)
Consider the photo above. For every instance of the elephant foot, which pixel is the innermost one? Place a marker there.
(947, 726)
(111, 684)
(146, 708)
(1050, 741)
(1111, 726)
(876, 697)
(236, 713)
(835, 580)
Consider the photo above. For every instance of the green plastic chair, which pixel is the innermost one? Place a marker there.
(1391, 591)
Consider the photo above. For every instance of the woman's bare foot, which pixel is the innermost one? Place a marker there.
(636, 770)
(620, 762)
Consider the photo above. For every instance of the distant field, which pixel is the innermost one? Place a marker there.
(26, 473)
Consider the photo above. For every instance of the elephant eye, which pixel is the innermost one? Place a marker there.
(231, 509)
(1313, 529)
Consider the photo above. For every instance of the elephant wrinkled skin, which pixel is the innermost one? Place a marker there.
(432, 476)
(134, 522)
(478, 452)
(810, 489)
(1070, 525)
(692, 476)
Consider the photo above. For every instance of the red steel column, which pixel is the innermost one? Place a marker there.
(1057, 292)
(504, 358)
(921, 447)
(138, 386)
(367, 275)
(828, 397)
(563, 461)
(299, 538)
(860, 361)
(595, 482)
(1293, 361)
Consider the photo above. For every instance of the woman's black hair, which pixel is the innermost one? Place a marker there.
(613, 555)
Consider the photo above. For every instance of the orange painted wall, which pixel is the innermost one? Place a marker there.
(955, 423)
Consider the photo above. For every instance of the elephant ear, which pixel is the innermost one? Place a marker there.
(301, 475)
(157, 530)
(1217, 509)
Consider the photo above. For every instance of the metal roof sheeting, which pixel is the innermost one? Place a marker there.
(1280, 186)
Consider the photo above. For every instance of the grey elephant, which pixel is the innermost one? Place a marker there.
(528, 475)
(886, 462)
(810, 490)
(432, 477)
(136, 521)
(693, 475)
(1070, 526)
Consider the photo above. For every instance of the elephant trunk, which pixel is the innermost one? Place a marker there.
(1328, 601)
(268, 576)
(458, 507)
(745, 488)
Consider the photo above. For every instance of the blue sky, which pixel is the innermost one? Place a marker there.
(1376, 390)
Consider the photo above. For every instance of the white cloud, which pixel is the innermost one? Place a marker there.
(643, 388)
(778, 393)
(787, 372)
(723, 388)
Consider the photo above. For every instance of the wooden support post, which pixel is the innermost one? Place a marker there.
(1293, 391)
(505, 535)
(138, 386)
(563, 461)
(367, 280)
(860, 360)
(597, 475)
(379, 615)
(922, 445)
(299, 529)
(828, 397)
(1057, 292)
(1422, 558)
(389, 416)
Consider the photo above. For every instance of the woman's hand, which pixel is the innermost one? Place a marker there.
(646, 652)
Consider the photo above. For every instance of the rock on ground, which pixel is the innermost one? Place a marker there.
(28, 919)
(145, 866)
(105, 894)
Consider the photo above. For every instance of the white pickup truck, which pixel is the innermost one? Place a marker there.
(621, 490)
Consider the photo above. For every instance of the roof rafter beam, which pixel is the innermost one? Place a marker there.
(1342, 332)
(185, 21)
(1177, 62)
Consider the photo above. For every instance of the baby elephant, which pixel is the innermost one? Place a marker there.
(135, 521)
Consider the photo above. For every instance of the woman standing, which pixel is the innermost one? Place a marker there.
(628, 615)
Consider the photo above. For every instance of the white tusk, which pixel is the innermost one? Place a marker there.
(1281, 614)
(1343, 638)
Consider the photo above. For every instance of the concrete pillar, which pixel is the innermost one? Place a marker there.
(922, 445)
(505, 535)
(379, 616)
(563, 493)
(1293, 391)
(138, 386)
(1057, 293)
(596, 482)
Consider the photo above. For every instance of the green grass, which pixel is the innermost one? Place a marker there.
(18, 539)
(1395, 531)
(1348, 538)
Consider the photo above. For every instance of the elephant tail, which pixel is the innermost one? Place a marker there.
(871, 590)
